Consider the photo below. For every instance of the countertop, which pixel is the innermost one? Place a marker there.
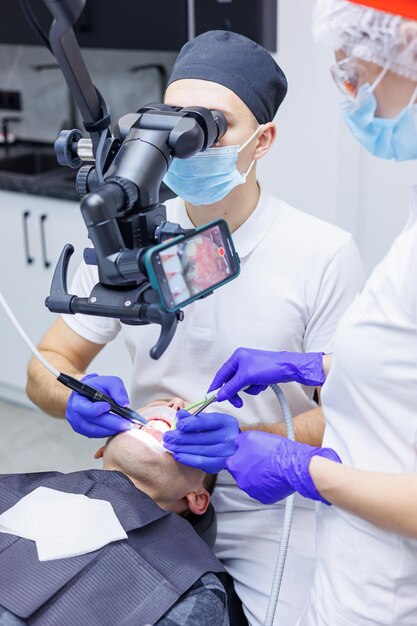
(58, 182)
(55, 183)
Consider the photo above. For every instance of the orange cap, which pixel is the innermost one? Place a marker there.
(406, 8)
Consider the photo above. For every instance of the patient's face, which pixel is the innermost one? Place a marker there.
(139, 454)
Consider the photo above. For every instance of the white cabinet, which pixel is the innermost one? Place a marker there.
(33, 231)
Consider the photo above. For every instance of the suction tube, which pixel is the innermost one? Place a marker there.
(288, 515)
(25, 338)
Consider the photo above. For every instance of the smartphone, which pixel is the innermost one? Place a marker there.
(190, 267)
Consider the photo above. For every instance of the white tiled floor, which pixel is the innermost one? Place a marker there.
(31, 441)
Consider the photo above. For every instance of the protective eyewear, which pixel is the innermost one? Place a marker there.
(349, 75)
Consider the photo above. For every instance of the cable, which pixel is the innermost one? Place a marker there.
(99, 156)
(43, 36)
(288, 514)
(25, 338)
(92, 394)
(33, 20)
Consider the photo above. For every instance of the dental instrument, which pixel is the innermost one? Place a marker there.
(203, 405)
(98, 396)
(192, 406)
(72, 383)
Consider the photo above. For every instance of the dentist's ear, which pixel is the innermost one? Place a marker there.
(266, 140)
(198, 501)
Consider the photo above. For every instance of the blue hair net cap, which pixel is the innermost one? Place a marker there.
(238, 63)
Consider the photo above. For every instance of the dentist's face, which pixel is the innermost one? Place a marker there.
(241, 121)
(393, 93)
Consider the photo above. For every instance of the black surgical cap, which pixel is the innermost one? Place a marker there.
(238, 63)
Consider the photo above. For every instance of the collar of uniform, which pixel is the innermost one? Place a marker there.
(247, 237)
(413, 203)
(412, 214)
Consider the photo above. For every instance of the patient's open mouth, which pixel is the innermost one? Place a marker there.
(157, 426)
(160, 419)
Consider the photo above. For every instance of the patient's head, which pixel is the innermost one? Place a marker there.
(138, 453)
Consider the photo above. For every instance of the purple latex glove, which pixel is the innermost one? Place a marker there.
(93, 419)
(257, 369)
(203, 441)
(270, 468)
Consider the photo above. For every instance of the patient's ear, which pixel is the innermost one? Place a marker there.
(99, 453)
(198, 501)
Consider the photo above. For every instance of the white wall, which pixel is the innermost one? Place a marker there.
(45, 95)
(316, 165)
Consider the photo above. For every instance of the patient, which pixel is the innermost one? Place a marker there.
(138, 453)
(161, 574)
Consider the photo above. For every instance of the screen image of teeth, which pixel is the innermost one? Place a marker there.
(195, 265)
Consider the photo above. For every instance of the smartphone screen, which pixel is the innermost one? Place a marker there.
(195, 266)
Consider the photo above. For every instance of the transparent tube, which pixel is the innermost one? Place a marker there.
(25, 338)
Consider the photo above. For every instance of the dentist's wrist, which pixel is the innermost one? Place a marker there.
(327, 363)
(324, 471)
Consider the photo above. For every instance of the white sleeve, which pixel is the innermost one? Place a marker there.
(341, 281)
(99, 330)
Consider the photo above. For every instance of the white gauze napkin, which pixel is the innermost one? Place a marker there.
(62, 524)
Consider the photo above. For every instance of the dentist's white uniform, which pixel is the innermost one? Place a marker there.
(298, 277)
(366, 576)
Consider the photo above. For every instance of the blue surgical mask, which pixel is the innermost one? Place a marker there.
(208, 177)
(393, 138)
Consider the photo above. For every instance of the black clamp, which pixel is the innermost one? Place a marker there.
(135, 305)
(104, 122)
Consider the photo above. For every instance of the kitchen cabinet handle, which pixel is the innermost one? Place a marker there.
(29, 259)
(46, 263)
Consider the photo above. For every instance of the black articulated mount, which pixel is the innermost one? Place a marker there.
(119, 181)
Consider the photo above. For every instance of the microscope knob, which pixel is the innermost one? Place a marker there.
(66, 148)
(82, 179)
(130, 189)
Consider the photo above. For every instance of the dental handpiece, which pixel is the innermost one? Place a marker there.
(72, 383)
(98, 396)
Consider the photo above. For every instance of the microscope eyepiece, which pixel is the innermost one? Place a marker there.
(221, 124)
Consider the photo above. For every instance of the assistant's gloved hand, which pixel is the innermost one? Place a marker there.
(270, 468)
(93, 419)
(257, 369)
(204, 441)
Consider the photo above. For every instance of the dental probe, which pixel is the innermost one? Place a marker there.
(204, 405)
(197, 403)
(72, 383)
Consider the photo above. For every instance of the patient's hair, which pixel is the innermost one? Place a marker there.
(209, 482)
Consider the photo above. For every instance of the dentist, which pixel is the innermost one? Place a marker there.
(366, 571)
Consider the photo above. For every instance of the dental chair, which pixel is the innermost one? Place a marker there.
(206, 527)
